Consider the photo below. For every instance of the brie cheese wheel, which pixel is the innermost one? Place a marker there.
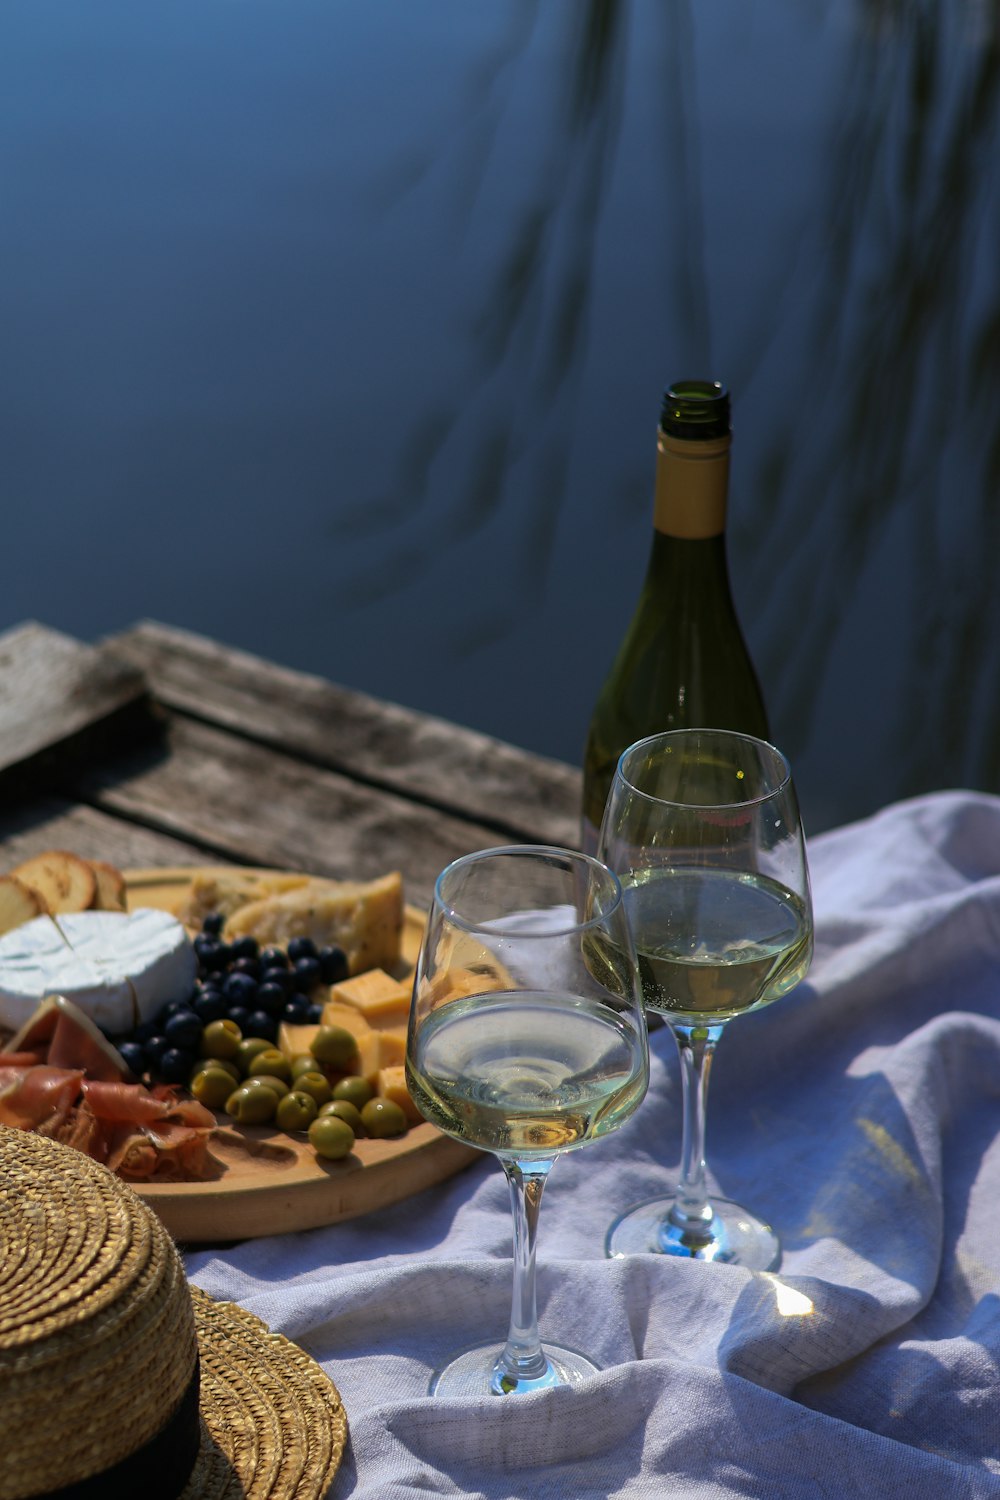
(118, 967)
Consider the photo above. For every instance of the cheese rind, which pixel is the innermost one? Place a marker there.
(118, 967)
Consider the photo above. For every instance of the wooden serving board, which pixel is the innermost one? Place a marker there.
(273, 1183)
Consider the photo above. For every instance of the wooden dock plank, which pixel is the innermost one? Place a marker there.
(53, 823)
(258, 806)
(521, 796)
(62, 700)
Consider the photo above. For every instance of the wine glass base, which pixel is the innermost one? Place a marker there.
(732, 1235)
(474, 1372)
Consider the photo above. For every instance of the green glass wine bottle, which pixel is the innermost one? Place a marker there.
(683, 662)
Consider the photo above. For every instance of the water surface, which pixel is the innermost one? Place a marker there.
(337, 331)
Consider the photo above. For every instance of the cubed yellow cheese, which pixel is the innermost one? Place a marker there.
(391, 1017)
(392, 1085)
(335, 1014)
(381, 999)
(369, 1058)
(295, 1041)
(458, 984)
(392, 1045)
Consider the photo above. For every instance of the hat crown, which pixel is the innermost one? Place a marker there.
(98, 1343)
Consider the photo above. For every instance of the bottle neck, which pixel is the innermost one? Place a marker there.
(692, 481)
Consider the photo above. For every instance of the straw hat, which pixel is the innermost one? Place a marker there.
(103, 1344)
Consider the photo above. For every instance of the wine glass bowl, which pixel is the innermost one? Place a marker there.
(703, 829)
(526, 1039)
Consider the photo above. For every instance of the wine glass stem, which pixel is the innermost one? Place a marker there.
(692, 1211)
(522, 1357)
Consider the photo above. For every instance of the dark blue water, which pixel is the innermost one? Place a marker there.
(337, 331)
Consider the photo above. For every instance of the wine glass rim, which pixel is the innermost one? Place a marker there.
(729, 734)
(534, 851)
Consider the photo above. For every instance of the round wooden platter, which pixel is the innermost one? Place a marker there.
(273, 1183)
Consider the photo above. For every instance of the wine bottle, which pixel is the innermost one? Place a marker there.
(683, 662)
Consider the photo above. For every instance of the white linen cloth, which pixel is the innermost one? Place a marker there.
(860, 1115)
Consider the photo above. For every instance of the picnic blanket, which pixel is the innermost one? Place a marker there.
(860, 1115)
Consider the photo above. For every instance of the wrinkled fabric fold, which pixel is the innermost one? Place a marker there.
(860, 1115)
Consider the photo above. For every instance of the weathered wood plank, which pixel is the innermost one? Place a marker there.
(52, 823)
(521, 796)
(250, 803)
(62, 700)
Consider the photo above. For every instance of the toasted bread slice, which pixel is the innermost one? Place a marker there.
(110, 886)
(18, 903)
(63, 881)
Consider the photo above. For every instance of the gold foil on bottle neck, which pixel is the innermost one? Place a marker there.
(692, 479)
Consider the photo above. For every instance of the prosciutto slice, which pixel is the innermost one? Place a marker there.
(151, 1134)
(65, 1037)
(62, 1078)
(38, 1097)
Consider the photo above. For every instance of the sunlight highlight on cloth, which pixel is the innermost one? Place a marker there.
(790, 1302)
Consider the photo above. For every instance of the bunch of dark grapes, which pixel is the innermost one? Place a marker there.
(256, 988)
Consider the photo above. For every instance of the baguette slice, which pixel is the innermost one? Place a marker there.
(110, 886)
(63, 881)
(18, 903)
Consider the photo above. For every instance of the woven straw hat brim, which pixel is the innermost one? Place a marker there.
(273, 1424)
(101, 1337)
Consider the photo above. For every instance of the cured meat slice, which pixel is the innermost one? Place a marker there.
(172, 1152)
(152, 1134)
(21, 1059)
(60, 1033)
(61, 1077)
(39, 1097)
(119, 1102)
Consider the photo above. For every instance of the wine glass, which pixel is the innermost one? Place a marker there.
(703, 828)
(526, 1039)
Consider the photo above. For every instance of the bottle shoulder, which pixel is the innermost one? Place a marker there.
(682, 663)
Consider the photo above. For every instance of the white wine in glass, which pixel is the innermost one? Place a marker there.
(703, 828)
(526, 1039)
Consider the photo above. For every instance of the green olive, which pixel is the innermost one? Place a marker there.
(270, 1060)
(296, 1111)
(251, 1106)
(278, 1086)
(303, 1063)
(221, 1039)
(249, 1048)
(218, 1064)
(383, 1117)
(357, 1090)
(334, 1047)
(315, 1084)
(343, 1109)
(331, 1138)
(211, 1087)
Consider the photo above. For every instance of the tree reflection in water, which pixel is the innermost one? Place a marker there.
(511, 425)
(867, 532)
(900, 460)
